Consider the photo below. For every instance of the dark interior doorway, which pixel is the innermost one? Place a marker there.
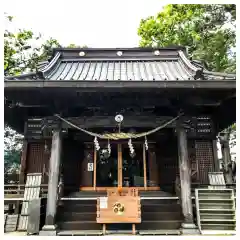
(107, 167)
(133, 169)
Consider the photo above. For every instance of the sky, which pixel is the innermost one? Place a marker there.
(94, 23)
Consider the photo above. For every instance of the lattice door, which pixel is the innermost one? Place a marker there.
(204, 157)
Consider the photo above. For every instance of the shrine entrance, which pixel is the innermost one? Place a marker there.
(120, 167)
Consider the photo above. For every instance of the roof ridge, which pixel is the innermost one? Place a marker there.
(119, 48)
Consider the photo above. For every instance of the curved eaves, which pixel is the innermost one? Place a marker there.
(46, 69)
(25, 76)
(197, 72)
(219, 75)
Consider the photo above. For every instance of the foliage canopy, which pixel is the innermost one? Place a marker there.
(208, 31)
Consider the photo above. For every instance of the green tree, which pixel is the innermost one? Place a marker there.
(72, 45)
(208, 31)
(22, 51)
(12, 153)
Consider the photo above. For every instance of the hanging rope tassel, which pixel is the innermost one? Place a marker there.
(146, 143)
(130, 145)
(109, 148)
(97, 146)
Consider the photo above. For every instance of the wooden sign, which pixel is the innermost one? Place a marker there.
(90, 167)
(119, 207)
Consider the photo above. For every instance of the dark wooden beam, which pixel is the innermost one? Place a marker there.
(86, 86)
(128, 122)
(78, 98)
(23, 162)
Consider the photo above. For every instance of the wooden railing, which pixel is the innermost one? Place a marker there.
(17, 190)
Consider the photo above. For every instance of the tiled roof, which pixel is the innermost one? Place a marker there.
(120, 70)
(133, 64)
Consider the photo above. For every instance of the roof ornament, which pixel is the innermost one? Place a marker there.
(119, 53)
(81, 54)
(119, 118)
(157, 52)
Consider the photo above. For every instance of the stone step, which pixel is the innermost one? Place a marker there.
(217, 226)
(160, 232)
(223, 206)
(215, 196)
(79, 202)
(145, 225)
(86, 216)
(161, 208)
(145, 207)
(78, 208)
(217, 221)
(224, 201)
(215, 191)
(79, 225)
(147, 216)
(158, 201)
(77, 216)
(118, 227)
(217, 216)
(158, 225)
(80, 233)
(218, 211)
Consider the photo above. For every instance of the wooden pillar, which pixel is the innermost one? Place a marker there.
(185, 181)
(23, 162)
(144, 167)
(53, 179)
(120, 180)
(153, 166)
(95, 169)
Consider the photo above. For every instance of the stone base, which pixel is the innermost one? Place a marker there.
(48, 230)
(189, 229)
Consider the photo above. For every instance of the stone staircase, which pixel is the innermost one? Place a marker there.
(216, 211)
